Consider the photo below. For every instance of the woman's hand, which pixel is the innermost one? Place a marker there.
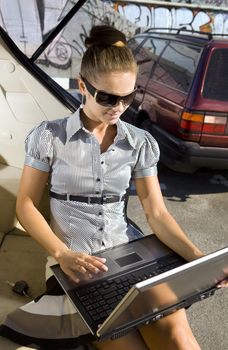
(80, 266)
(223, 284)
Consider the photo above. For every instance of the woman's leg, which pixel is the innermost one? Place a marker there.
(170, 333)
(131, 341)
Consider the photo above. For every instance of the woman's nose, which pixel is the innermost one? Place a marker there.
(119, 107)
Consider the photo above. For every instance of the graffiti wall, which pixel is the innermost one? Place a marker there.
(203, 2)
(155, 16)
(29, 23)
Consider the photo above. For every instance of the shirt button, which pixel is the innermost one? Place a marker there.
(101, 229)
(102, 162)
(100, 212)
(98, 179)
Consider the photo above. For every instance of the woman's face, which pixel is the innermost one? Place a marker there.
(116, 83)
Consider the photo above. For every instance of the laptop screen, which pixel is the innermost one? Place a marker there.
(167, 292)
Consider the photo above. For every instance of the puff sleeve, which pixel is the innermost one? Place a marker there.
(39, 148)
(148, 157)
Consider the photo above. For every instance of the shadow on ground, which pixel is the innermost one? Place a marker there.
(179, 187)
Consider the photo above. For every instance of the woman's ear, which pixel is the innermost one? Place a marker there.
(81, 86)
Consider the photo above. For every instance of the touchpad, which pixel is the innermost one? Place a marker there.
(129, 259)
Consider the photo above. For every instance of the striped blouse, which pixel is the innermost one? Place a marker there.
(72, 156)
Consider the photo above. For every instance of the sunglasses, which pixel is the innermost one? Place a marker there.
(108, 100)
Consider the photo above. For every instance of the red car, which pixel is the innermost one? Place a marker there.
(182, 96)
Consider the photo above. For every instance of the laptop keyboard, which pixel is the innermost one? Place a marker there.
(99, 300)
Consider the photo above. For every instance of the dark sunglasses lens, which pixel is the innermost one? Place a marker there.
(127, 100)
(109, 100)
(106, 99)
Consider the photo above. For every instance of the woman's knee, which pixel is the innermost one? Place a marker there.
(181, 337)
(172, 332)
(179, 332)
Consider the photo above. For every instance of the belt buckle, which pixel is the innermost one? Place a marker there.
(105, 199)
(95, 200)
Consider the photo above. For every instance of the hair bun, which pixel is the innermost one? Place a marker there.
(105, 36)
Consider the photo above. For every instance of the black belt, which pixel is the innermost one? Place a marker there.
(88, 200)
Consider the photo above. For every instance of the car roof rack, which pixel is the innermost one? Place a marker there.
(179, 31)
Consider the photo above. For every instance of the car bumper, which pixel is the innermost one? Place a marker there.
(188, 156)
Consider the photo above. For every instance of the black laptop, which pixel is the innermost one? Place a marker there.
(145, 281)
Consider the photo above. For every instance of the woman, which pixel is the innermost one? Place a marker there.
(85, 157)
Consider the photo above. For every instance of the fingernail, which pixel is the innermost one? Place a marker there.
(105, 268)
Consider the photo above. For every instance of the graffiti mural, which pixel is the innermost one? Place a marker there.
(203, 2)
(155, 16)
(30, 22)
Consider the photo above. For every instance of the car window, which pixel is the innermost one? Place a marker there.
(147, 53)
(61, 58)
(135, 44)
(216, 80)
(39, 18)
(177, 65)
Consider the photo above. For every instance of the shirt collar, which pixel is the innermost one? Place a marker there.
(74, 124)
(123, 132)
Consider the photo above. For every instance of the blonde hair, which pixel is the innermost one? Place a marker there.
(107, 52)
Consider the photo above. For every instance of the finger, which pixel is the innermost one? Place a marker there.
(84, 267)
(91, 263)
(99, 263)
(80, 268)
(103, 260)
(222, 284)
(89, 266)
(73, 277)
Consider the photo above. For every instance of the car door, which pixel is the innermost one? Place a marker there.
(27, 97)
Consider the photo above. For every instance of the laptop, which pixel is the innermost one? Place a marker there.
(145, 282)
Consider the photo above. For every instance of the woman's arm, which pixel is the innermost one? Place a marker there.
(161, 221)
(31, 188)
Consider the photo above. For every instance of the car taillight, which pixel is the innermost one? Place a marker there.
(191, 122)
(214, 125)
(199, 123)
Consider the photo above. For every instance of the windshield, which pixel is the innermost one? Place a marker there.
(28, 23)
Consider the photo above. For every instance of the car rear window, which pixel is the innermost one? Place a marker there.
(216, 80)
(177, 65)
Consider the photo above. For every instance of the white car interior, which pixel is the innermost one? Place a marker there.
(25, 102)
